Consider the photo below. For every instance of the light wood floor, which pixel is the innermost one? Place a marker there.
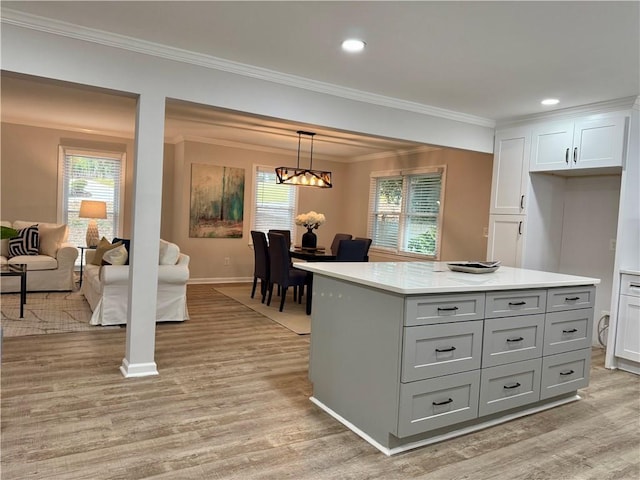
(231, 402)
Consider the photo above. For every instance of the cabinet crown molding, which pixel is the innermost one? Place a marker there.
(616, 105)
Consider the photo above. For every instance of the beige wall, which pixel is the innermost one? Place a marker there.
(29, 170)
(466, 202)
(26, 150)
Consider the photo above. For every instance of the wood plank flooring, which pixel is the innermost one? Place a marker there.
(232, 402)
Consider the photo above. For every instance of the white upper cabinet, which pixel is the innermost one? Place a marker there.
(510, 171)
(584, 143)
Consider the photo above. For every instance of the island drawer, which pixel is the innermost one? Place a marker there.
(630, 285)
(509, 386)
(443, 308)
(512, 339)
(511, 303)
(565, 372)
(566, 331)
(435, 350)
(438, 402)
(570, 298)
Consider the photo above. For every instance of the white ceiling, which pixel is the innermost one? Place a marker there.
(492, 60)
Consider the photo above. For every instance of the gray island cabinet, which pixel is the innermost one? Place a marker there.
(409, 353)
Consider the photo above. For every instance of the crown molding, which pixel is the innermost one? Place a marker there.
(617, 104)
(67, 128)
(56, 27)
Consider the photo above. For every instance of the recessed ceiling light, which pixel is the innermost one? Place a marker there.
(550, 101)
(353, 45)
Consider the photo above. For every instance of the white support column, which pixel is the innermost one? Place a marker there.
(147, 198)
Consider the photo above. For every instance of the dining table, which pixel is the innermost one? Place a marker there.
(316, 254)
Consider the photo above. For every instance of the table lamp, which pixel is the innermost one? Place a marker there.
(92, 209)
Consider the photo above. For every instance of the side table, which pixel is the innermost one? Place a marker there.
(17, 270)
(82, 249)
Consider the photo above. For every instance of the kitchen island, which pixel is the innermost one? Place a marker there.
(410, 353)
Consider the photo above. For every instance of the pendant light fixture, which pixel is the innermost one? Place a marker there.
(303, 177)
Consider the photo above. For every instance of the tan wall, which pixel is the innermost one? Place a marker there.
(466, 202)
(29, 170)
(25, 195)
(210, 253)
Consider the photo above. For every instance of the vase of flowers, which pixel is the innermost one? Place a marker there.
(311, 221)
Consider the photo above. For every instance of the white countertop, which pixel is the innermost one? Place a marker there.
(410, 278)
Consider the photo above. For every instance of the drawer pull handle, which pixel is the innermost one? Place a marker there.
(437, 404)
(568, 372)
(516, 339)
(566, 156)
(509, 387)
(571, 299)
(634, 285)
(571, 330)
(513, 304)
(450, 349)
(447, 309)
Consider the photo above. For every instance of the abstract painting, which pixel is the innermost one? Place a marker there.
(217, 201)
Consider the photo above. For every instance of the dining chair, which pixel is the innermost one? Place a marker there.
(282, 273)
(286, 233)
(336, 241)
(261, 268)
(368, 240)
(352, 251)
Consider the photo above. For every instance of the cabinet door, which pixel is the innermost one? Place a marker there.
(599, 143)
(506, 237)
(628, 341)
(551, 147)
(510, 171)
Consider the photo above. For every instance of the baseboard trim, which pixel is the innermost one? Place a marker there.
(132, 370)
(446, 436)
(218, 280)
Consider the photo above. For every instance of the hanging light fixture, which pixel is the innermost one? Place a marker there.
(301, 176)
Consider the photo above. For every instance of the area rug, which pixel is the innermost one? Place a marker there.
(293, 316)
(46, 312)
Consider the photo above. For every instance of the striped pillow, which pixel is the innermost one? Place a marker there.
(26, 243)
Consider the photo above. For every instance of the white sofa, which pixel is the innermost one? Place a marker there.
(106, 288)
(52, 269)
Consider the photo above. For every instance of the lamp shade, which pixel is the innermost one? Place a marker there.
(93, 209)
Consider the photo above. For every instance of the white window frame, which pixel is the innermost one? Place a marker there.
(405, 175)
(63, 151)
(293, 204)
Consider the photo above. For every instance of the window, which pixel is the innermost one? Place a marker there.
(90, 175)
(275, 205)
(405, 211)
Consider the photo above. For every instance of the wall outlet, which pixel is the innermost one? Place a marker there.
(612, 245)
(227, 261)
(485, 232)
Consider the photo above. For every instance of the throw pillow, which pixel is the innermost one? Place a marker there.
(103, 246)
(169, 253)
(127, 244)
(25, 243)
(51, 238)
(115, 256)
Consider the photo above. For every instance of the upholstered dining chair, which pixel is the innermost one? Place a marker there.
(282, 273)
(368, 240)
(261, 268)
(286, 233)
(336, 241)
(352, 251)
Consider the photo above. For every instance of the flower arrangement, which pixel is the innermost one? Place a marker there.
(310, 220)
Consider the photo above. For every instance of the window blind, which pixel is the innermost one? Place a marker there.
(91, 176)
(404, 211)
(275, 205)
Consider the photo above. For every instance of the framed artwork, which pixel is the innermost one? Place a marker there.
(217, 201)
